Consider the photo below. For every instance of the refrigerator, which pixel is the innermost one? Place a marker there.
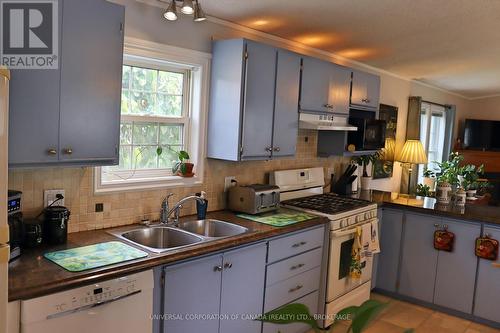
(4, 228)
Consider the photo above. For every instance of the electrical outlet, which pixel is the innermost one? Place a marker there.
(329, 172)
(49, 196)
(229, 182)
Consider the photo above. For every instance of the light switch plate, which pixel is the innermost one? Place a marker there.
(50, 195)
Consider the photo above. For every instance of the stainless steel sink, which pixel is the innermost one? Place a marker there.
(213, 228)
(160, 238)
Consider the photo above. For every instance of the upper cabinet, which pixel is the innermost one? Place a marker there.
(365, 93)
(254, 101)
(71, 116)
(325, 87)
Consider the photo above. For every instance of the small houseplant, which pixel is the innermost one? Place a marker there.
(182, 167)
(423, 190)
(448, 178)
(470, 178)
(364, 161)
(429, 179)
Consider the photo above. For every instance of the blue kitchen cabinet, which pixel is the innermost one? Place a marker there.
(72, 115)
(391, 228)
(419, 258)
(325, 87)
(450, 291)
(365, 93)
(488, 284)
(226, 286)
(254, 101)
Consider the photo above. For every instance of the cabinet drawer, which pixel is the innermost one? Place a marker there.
(311, 301)
(292, 288)
(292, 245)
(293, 266)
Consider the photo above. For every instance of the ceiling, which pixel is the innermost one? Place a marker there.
(451, 44)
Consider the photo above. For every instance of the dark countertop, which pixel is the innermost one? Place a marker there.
(32, 275)
(481, 210)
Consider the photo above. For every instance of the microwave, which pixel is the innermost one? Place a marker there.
(371, 132)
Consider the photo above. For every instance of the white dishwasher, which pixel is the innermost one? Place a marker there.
(122, 305)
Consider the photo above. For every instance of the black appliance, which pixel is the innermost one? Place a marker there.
(481, 134)
(33, 233)
(15, 222)
(371, 132)
(55, 225)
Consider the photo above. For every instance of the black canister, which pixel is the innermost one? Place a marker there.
(55, 226)
(33, 233)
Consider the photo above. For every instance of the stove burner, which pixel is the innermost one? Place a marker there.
(327, 203)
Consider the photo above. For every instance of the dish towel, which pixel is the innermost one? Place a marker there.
(356, 263)
(374, 246)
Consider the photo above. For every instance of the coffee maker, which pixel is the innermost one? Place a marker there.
(15, 221)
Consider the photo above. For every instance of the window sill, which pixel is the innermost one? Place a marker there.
(146, 184)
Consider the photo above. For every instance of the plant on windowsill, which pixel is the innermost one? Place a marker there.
(182, 167)
(359, 316)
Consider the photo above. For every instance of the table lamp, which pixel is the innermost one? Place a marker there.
(413, 152)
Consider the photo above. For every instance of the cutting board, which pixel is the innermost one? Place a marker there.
(280, 218)
(94, 256)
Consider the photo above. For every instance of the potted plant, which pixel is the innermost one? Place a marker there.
(183, 167)
(470, 177)
(423, 190)
(364, 161)
(448, 177)
(430, 179)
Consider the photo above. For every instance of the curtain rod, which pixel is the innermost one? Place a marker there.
(433, 103)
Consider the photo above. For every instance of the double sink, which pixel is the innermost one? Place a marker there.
(162, 238)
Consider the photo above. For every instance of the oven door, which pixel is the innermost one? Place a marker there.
(374, 136)
(339, 280)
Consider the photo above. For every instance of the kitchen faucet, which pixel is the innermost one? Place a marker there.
(166, 211)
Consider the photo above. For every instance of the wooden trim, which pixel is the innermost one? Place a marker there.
(5, 72)
(4, 254)
(490, 159)
(4, 234)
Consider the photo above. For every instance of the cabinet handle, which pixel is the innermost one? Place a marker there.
(52, 151)
(68, 151)
(297, 267)
(495, 265)
(299, 244)
(269, 149)
(437, 226)
(228, 265)
(218, 269)
(292, 290)
(365, 100)
(276, 149)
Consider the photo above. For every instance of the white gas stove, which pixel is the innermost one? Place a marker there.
(302, 189)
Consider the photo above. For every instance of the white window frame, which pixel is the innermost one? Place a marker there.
(160, 56)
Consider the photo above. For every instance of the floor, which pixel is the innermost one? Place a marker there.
(399, 316)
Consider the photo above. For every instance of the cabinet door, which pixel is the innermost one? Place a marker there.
(258, 108)
(243, 284)
(193, 288)
(391, 228)
(34, 114)
(340, 88)
(286, 106)
(450, 291)
(365, 90)
(419, 258)
(488, 286)
(91, 80)
(315, 85)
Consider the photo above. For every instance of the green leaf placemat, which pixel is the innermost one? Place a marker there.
(93, 256)
(281, 218)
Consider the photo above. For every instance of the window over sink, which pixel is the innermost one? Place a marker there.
(162, 112)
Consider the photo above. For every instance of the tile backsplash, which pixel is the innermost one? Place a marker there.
(124, 208)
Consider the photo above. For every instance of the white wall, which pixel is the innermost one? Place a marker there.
(146, 22)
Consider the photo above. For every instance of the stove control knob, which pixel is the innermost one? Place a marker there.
(343, 223)
(367, 216)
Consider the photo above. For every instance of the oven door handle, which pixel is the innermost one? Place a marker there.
(348, 231)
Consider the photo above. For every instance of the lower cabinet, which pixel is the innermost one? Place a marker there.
(456, 271)
(488, 284)
(210, 295)
(391, 228)
(419, 258)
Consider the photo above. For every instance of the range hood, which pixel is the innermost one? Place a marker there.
(325, 122)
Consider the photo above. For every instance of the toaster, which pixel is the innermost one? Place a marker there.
(254, 199)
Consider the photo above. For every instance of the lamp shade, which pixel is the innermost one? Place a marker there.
(413, 152)
(389, 150)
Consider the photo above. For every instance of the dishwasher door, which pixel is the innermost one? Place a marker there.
(122, 305)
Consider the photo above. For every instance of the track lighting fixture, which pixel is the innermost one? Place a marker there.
(188, 7)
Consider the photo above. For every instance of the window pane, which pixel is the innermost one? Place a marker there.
(169, 105)
(145, 157)
(142, 103)
(171, 134)
(126, 77)
(125, 157)
(168, 156)
(145, 133)
(170, 83)
(125, 133)
(144, 79)
(125, 102)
